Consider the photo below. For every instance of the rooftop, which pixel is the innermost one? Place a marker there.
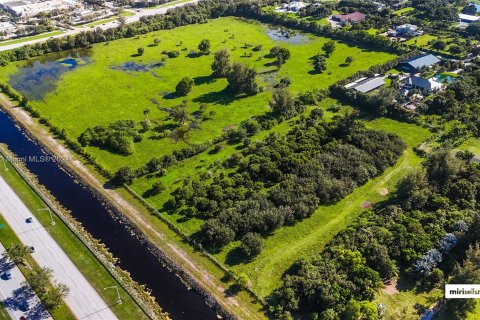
(421, 61)
(351, 17)
(467, 17)
(366, 85)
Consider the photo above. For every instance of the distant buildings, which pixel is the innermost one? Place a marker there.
(466, 18)
(399, 5)
(407, 30)
(292, 7)
(351, 18)
(380, 6)
(416, 63)
(422, 84)
(366, 85)
(7, 27)
(27, 8)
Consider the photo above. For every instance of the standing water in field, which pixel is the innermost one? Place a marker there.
(131, 66)
(39, 77)
(287, 35)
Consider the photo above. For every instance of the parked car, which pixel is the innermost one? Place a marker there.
(29, 220)
(6, 275)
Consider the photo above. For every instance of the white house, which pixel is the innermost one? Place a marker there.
(292, 7)
(466, 18)
(407, 30)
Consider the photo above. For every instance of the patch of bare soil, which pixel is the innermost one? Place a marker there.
(383, 191)
(390, 287)
(366, 205)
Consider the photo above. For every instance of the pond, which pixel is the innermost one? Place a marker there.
(131, 66)
(40, 76)
(444, 78)
(286, 35)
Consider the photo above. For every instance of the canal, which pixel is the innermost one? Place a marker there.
(144, 267)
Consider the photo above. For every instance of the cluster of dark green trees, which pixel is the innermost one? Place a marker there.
(241, 77)
(281, 180)
(459, 104)
(433, 212)
(118, 137)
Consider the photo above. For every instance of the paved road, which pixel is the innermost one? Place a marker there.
(15, 296)
(113, 24)
(83, 300)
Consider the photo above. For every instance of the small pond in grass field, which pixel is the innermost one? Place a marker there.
(287, 35)
(40, 76)
(131, 66)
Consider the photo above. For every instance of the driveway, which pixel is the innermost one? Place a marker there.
(83, 300)
(19, 300)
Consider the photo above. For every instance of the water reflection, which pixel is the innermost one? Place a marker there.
(40, 76)
(287, 35)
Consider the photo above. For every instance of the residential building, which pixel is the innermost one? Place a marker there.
(407, 30)
(351, 18)
(366, 85)
(424, 85)
(466, 18)
(292, 7)
(416, 63)
(7, 27)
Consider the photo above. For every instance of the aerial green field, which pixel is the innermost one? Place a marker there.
(111, 94)
(404, 11)
(116, 83)
(472, 145)
(309, 236)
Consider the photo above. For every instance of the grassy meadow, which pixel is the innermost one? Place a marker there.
(99, 93)
(111, 94)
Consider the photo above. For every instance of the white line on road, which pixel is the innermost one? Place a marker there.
(83, 300)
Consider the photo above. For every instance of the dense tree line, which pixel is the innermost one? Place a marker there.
(283, 179)
(433, 210)
(459, 105)
(118, 137)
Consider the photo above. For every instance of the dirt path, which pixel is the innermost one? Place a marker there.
(167, 245)
(281, 257)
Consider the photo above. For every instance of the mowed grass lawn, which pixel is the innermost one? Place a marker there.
(472, 145)
(96, 94)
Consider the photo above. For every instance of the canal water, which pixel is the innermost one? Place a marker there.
(170, 292)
